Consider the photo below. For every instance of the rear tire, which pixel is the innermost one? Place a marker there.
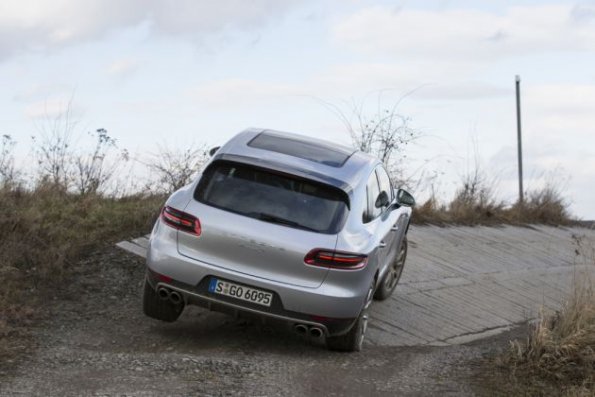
(155, 307)
(393, 275)
(353, 340)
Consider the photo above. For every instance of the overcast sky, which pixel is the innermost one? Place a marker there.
(176, 72)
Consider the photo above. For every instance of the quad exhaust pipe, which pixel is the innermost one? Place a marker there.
(175, 298)
(163, 293)
(315, 332)
(168, 295)
(303, 329)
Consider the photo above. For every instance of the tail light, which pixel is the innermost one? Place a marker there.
(164, 278)
(181, 220)
(336, 259)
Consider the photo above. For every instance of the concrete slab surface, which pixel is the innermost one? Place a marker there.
(466, 283)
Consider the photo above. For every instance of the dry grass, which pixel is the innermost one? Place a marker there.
(560, 347)
(542, 206)
(477, 206)
(43, 232)
(462, 212)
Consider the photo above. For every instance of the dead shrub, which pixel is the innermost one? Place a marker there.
(545, 205)
(474, 203)
(52, 149)
(8, 174)
(430, 212)
(92, 170)
(175, 168)
(380, 130)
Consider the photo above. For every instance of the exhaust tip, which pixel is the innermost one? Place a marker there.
(301, 329)
(315, 332)
(163, 293)
(175, 298)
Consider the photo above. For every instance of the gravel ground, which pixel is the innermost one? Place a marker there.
(96, 341)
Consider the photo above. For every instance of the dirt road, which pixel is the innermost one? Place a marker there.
(459, 284)
(96, 341)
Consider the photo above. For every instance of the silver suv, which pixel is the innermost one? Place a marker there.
(282, 226)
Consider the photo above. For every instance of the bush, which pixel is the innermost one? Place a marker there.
(175, 168)
(543, 206)
(475, 204)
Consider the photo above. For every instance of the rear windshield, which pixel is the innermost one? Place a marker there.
(273, 197)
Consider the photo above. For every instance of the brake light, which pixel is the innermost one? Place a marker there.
(181, 220)
(336, 259)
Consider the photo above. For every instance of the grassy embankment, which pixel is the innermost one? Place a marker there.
(42, 233)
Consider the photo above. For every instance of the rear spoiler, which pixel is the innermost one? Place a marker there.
(306, 174)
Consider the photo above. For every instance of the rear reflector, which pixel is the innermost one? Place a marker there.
(336, 259)
(181, 220)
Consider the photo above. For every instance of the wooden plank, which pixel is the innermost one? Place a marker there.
(132, 248)
(141, 241)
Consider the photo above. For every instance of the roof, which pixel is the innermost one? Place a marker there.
(327, 162)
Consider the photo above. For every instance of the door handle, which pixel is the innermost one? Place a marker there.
(382, 244)
(394, 228)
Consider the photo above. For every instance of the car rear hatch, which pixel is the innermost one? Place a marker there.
(263, 223)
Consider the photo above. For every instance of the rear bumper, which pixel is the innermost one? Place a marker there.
(334, 305)
(200, 296)
(340, 296)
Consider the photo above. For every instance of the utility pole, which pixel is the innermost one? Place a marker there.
(519, 140)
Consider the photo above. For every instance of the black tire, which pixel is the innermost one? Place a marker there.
(393, 275)
(155, 307)
(353, 340)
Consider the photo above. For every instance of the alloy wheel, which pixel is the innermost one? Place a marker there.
(396, 269)
(363, 323)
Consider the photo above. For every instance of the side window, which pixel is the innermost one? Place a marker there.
(384, 181)
(372, 191)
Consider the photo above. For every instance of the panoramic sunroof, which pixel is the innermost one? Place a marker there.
(316, 152)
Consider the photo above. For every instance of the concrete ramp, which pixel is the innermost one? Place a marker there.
(465, 283)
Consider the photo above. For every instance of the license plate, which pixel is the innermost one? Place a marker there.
(241, 292)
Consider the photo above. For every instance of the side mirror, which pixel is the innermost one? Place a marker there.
(405, 198)
(214, 150)
(382, 200)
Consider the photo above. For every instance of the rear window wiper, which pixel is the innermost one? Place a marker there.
(263, 216)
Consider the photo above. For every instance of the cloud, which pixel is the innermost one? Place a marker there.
(234, 92)
(39, 25)
(191, 17)
(561, 113)
(339, 81)
(463, 90)
(575, 100)
(583, 13)
(40, 91)
(52, 108)
(344, 81)
(466, 33)
(122, 67)
(42, 25)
